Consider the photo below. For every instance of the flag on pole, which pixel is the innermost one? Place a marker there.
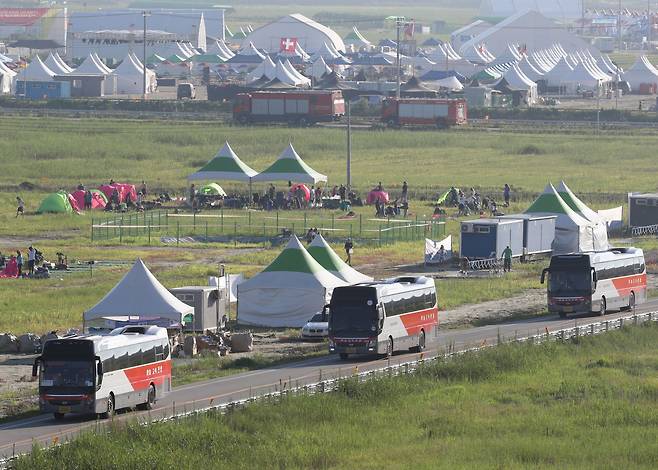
(288, 45)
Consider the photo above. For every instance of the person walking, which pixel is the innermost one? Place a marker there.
(20, 209)
(405, 190)
(507, 259)
(88, 198)
(19, 263)
(349, 250)
(31, 258)
(506, 194)
(144, 188)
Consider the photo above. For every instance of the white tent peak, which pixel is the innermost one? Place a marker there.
(327, 257)
(141, 295)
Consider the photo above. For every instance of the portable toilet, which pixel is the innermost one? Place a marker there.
(209, 306)
(538, 232)
(642, 209)
(487, 238)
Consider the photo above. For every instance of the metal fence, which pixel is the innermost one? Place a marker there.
(257, 226)
(286, 387)
(645, 230)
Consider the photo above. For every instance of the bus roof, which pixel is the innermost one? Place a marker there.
(397, 285)
(596, 257)
(125, 336)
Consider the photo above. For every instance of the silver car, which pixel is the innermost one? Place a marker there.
(317, 327)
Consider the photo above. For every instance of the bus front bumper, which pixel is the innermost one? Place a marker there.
(79, 404)
(353, 345)
(570, 307)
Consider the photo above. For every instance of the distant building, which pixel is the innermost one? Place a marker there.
(563, 10)
(34, 23)
(292, 30)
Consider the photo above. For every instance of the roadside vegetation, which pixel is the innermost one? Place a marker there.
(513, 406)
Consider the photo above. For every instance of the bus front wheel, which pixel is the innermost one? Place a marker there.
(631, 302)
(150, 400)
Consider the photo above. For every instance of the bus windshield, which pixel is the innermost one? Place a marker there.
(353, 320)
(67, 374)
(566, 283)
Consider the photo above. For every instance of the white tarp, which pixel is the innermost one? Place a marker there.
(288, 292)
(433, 250)
(614, 218)
(139, 295)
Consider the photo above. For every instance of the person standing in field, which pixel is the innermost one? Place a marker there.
(19, 263)
(507, 259)
(144, 188)
(506, 194)
(20, 209)
(349, 250)
(31, 258)
(405, 191)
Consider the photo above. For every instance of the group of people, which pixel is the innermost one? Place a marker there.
(14, 266)
(399, 206)
(474, 202)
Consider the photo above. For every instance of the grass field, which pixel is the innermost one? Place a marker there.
(589, 404)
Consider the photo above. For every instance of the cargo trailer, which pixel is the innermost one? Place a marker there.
(487, 238)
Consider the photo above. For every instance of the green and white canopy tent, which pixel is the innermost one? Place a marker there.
(290, 167)
(573, 233)
(320, 250)
(225, 165)
(288, 292)
(578, 206)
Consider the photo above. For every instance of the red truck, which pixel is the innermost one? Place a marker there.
(439, 112)
(295, 107)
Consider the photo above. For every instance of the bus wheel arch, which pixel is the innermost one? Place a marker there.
(151, 398)
(421, 342)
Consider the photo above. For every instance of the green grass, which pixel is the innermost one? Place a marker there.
(590, 404)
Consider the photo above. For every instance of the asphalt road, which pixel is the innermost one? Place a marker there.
(18, 436)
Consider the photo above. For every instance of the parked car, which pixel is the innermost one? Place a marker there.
(317, 327)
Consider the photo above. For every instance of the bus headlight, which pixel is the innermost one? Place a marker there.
(372, 343)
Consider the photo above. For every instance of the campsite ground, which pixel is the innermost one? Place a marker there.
(60, 153)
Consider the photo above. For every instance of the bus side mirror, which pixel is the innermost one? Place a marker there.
(543, 275)
(35, 366)
(99, 370)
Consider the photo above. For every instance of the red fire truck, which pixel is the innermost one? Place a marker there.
(441, 112)
(295, 107)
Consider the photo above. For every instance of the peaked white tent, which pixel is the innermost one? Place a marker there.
(130, 77)
(517, 81)
(225, 165)
(7, 76)
(320, 250)
(290, 167)
(530, 70)
(100, 63)
(288, 292)
(318, 69)
(37, 71)
(451, 83)
(573, 233)
(641, 72)
(267, 68)
(325, 52)
(138, 296)
(356, 39)
(92, 67)
(578, 206)
(53, 64)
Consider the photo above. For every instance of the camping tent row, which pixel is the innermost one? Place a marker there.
(129, 74)
(577, 227)
(295, 286)
(289, 166)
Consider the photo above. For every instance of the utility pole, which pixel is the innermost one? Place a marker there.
(144, 14)
(650, 23)
(619, 25)
(398, 23)
(582, 17)
(348, 104)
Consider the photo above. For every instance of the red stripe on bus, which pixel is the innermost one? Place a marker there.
(422, 319)
(625, 285)
(142, 376)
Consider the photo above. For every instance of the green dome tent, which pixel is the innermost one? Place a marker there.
(100, 193)
(212, 189)
(57, 203)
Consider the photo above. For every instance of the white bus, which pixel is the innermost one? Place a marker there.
(596, 281)
(383, 317)
(130, 366)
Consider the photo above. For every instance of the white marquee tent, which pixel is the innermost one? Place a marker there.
(320, 250)
(641, 72)
(288, 292)
(139, 295)
(37, 71)
(290, 167)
